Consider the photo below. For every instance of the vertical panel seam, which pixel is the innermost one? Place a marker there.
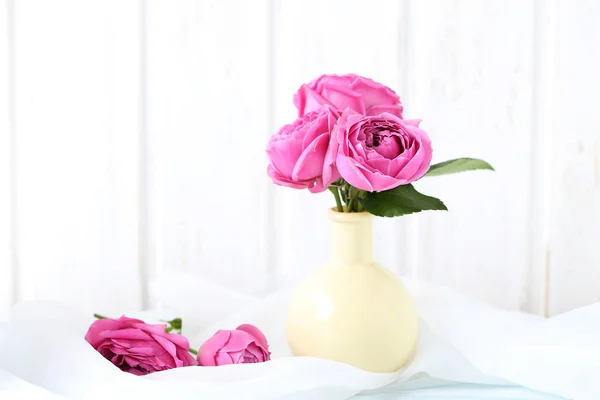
(405, 64)
(13, 184)
(270, 234)
(537, 285)
(401, 66)
(143, 159)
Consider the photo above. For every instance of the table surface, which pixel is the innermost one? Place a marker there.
(14, 388)
(457, 391)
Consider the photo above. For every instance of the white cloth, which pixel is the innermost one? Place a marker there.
(461, 340)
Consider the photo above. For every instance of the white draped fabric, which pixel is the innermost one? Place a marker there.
(461, 340)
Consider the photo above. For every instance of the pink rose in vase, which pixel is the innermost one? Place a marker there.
(363, 95)
(243, 345)
(376, 153)
(298, 153)
(137, 347)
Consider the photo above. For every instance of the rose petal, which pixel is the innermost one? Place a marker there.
(93, 335)
(426, 160)
(380, 164)
(167, 361)
(317, 126)
(284, 154)
(397, 164)
(128, 333)
(342, 97)
(419, 163)
(138, 372)
(238, 341)
(349, 171)
(281, 180)
(381, 108)
(373, 93)
(237, 356)
(223, 358)
(257, 352)
(255, 333)
(186, 358)
(389, 147)
(382, 182)
(177, 340)
(156, 329)
(307, 100)
(209, 349)
(132, 362)
(310, 162)
(170, 348)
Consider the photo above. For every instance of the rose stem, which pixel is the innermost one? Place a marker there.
(359, 207)
(98, 316)
(194, 352)
(336, 194)
(351, 205)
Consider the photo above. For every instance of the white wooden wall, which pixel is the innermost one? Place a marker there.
(132, 139)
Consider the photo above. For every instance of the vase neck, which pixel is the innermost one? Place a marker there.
(351, 237)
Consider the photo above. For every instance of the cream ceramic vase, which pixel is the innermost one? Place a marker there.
(351, 309)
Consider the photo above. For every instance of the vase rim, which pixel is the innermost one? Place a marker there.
(337, 216)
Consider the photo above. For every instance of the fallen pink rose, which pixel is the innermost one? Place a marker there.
(137, 347)
(245, 344)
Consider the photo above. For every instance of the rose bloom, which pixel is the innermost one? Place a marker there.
(358, 93)
(376, 153)
(245, 344)
(297, 153)
(137, 347)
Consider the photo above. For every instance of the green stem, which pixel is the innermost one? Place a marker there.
(351, 205)
(359, 206)
(194, 352)
(98, 316)
(344, 195)
(338, 201)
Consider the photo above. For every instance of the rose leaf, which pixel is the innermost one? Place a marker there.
(457, 165)
(399, 201)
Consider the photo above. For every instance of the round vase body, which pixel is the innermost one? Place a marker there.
(351, 309)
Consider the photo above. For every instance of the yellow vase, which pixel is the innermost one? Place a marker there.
(351, 309)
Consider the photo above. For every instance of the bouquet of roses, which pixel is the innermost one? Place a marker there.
(351, 138)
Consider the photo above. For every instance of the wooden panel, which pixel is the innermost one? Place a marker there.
(308, 43)
(541, 177)
(472, 74)
(6, 293)
(574, 257)
(208, 97)
(77, 126)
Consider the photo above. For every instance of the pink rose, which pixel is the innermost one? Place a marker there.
(377, 153)
(297, 153)
(245, 344)
(137, 347)
(361, 94)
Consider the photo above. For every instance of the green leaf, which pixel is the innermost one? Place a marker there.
(457, 165)
(400, 201)
(174, 325)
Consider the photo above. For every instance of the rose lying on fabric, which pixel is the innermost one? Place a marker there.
(358, 93)
(245, 344)
(297, 153)
(377, 153)
(137, 347)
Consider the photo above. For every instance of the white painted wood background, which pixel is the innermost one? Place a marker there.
(132, 139)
